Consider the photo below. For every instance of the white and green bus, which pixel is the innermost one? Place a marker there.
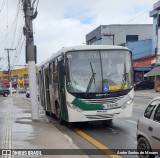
(87, 83)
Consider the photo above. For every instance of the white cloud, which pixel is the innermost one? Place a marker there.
(59, 33)
(65, 23)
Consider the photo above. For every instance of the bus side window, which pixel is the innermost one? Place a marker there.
(55, 76)
(50, 73)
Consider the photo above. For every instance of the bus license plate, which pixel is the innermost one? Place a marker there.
(110, 105)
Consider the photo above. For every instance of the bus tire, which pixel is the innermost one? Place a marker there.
(47, 113)
(58, 115)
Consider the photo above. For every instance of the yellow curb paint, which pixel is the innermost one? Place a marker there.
(100, 146)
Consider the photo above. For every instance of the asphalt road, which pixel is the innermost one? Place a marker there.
(120, 134)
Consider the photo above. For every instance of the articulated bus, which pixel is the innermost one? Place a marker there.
(87, 83)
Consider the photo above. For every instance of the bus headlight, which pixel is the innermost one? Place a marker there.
(129, 102)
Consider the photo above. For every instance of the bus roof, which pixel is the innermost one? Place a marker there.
(82, 47)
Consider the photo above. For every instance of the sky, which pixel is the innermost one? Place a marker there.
(61, 23)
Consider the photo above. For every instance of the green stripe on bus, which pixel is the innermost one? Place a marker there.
(84, 106)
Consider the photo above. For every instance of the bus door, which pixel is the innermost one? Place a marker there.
(46, 87)
(61, 90)
(41, 88)
(51, 87)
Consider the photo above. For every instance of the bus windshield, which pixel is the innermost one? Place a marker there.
(98, 71)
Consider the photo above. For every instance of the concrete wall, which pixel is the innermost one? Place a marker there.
(154, 35)
(144, 31)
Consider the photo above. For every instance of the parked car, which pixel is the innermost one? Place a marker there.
(13, 90)
(148, 129)
(144, 85)
(4, 91)
(21, 90)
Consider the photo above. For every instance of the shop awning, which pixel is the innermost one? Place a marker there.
(154, 72)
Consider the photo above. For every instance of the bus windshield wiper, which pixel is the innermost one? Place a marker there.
(91, 79)
(124, 77)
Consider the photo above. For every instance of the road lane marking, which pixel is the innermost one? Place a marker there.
(100, 146)
(139, 106)
(131, 121)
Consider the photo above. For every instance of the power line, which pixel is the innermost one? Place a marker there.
(118, 30)
(16, 23)
(7, 26)
(12, 32)
(18, 53)
(9, 67)
(3, 3)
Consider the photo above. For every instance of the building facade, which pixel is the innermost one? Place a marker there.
(155, 14)
(143, 58)
(137, 37)
(119, 34)
(19, 78)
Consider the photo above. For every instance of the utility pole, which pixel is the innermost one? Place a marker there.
(31, 56)
(9, 69)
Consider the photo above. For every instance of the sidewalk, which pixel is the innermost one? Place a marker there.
(147, 93)
(18, 131)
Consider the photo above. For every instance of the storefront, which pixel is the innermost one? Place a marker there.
(19, 78)
(143, 65)
(155, 72)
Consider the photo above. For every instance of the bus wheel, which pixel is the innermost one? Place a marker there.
(58, 115)
(47, 113)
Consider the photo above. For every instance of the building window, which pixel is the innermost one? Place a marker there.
(50, 72)
(158, 20)
(5, 77)
(92, 41)
(131, 38)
